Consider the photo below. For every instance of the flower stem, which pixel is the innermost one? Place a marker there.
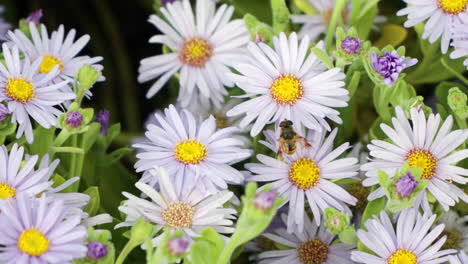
(453, 71)
(126, 251)
(336, 16)
(226, 254)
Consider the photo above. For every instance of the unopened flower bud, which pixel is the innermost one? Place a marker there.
(87, 77)
(74, 119)
(34, 17)
(96, 250)
(351, 46)
(406, 185)
(178, 246)
(265, 200)
(103, 119)
(456, 99)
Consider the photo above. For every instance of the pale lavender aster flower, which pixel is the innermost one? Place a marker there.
(35, 230)
(406, 185)
(178, 246)
(3, 112)
(96, 250)
(103, 119)
(265, 200)
(351, 46)
(390, 65)
(35, 17)
(74, 119)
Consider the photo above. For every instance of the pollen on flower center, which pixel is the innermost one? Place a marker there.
(452, 7)
(190, 152)
(33, 242)
(286, 89)
(196, 52)
(48, 63)
(19, 89)
(313, 251)
(179, 215)
(6, 191)
(304, 173)
(402, 256)
(422, 159)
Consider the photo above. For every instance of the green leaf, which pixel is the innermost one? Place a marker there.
(91, 135)
(67, 150)
(202, 253)
(392, 35)
(280, 16)
(117, 154)
(43, 138)
(323, 57)
(95, 201)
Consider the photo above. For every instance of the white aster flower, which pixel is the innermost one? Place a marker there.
(423, 144)
(441, 15)
(461, 258)
(460, 42)
(411, 241)
(57, 50)
(4, 26)
(189, 212)
(456, 230)
(308, 172)
(29, 93)
(36, 231)
(203, 48)
(193, 153)
(313, 245)
(286, 83)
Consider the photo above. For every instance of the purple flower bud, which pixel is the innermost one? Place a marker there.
(96, 250)
(165, 2)
(265, 200)
(178, 246)
(406, 185)
(390, 65)
(35, 17)
(103, 119)
(74, 119)
(4, 111)
(351, 46)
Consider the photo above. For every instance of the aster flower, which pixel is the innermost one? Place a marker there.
(193, 153)
(441, 15)
(188, 212)
(286, 83)
(4, 112)
(58, 50)
(4, 26)
(203, 48)
(461, 258)
(411, 241)
(35, 231)
(308, 173)
(35, 17)
(313, 245)
(460, 38)
(30, 94)
(423, 144)
(390, 65)
(456, 231)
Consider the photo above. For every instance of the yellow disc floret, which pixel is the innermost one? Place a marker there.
(179, 215)
(48, 63)
(452, 7)
(6, 191)
(422, 159)
(313, 251)
(286, 89)
(19, 89)
(304, 173)
(402, 256)
(33, 242)
(190, 152)
(196, 52)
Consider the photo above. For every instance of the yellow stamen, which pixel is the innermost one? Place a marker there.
(313, 251)
(19, 89)
(304, 173)
(190, 152)
(179, 215)
(286, 89)
(422, 159)
(33, 242)
(48, 63)
(452, 7)
(402, 256)
(6, 191)
(196, 52)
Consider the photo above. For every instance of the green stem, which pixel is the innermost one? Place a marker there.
(80, 160)
(453, 71)
(125, 251)
(61, 138)
(2, 140)
(336, 16)
(226, 254)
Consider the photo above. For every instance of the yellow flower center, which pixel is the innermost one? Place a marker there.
(6, 191)
(196, 52)
(453, 7)
(48, 63)
(190, 152)
(402, 256)
(304, 173)
(422, 159)
(286, 89)
(179, 215)
(19, 90)
(33, 242)
(313, 251)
